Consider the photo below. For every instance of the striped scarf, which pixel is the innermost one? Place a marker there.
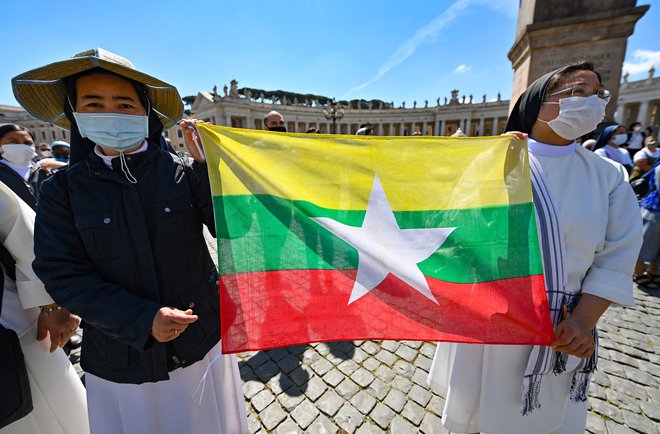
(543, 360)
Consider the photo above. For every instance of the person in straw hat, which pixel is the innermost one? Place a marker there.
(118, 241)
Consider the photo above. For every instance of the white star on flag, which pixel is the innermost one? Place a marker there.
(384, 248)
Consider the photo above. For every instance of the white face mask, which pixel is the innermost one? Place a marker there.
(620, 139)
(18, 154)
(578, 115)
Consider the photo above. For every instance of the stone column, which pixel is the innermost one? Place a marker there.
(481, 127)
(496, 130)
(643, 113)
(551, 34)
(441, 128)
(402, 127)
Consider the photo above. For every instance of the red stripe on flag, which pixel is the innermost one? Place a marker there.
(264, 310)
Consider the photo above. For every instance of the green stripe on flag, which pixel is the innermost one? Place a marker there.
(263, 233)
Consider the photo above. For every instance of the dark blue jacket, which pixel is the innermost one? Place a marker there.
(114, 253)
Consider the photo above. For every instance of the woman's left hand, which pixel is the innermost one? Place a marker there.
(60, 324)
(192, 139)
(574, 337)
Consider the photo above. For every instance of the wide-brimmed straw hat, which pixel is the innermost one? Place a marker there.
(42, 91)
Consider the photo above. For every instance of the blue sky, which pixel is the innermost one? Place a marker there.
(389, 50)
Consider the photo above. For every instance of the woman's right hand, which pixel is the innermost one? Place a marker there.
(518, 134)
(60, 324)
(169, 323)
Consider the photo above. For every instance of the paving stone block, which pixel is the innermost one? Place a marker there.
(401, 426)
(321, 366)
(333, 377)
(348, 418)
(621, 400)
(641, 377)
(406, 353)
(404, 368)
(595, 424)
(432, 424)
(348, 367)
(330, 402)
(428, 349)
(310, 356)
(347, 388)
(386, 357)
(420, 395)
(606, 409)
(362, 377)
(413, 412)
(363, 401)
(257, 359)
(651, 410)
(616, 428)
(413, 344)
(277, 354)
(315, 388)
(322, 425)
(291, 398)
(289, 363)
(262, 399)
(288, 427)
(395, 400)
(638, 422)
(272, 415)
(370, 364)
(436, 405)
(253, 423)
(423, 362)
(390, 346)
(305, 413)
(267, 371)
(299, 376)
(251, 388)
(370, 347)
(279, 383)
(597, 391)
(402, 384)
(247, 373)
(368, 428)
(322, 349)
(420, 377)
(359, 356)
(384, 373)
(378, 389)
(628, 387)
(382, 415)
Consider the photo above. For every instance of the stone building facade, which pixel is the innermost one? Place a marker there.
(442, 118)
(637, 101)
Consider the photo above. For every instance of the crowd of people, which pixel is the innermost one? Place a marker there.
(108, 222)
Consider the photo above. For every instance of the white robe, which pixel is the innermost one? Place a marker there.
(58, 396)
(601, 227)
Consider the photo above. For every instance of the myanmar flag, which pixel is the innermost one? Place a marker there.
(327, 237)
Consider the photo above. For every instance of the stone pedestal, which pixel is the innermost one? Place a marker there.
(551, 34)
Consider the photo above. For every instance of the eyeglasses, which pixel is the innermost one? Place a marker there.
(585, 91)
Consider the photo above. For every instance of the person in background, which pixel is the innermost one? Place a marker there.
(119, 241)
(274, 121)
(645, 158)
(650, 251)
(17, 169)
(61, 151)
(590, 235)
(635, 138)
(58, 395)
(608, 145)
(43, 151)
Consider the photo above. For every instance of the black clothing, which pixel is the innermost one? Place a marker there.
(114, 253)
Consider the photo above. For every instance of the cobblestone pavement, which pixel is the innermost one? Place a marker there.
(380, 386)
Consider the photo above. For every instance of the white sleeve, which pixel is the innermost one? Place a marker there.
(17, 235)
(610, 275)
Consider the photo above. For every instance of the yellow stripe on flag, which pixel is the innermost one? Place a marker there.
(417, 173)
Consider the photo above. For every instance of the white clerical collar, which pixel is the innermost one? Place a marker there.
(107, 159)
(22, 169)
(538, 148)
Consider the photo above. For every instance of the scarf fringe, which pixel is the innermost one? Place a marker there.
(530, 393)
(580, 386)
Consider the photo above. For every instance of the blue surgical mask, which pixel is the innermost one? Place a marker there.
(115, 131)
(62, 159)
(620, 139)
